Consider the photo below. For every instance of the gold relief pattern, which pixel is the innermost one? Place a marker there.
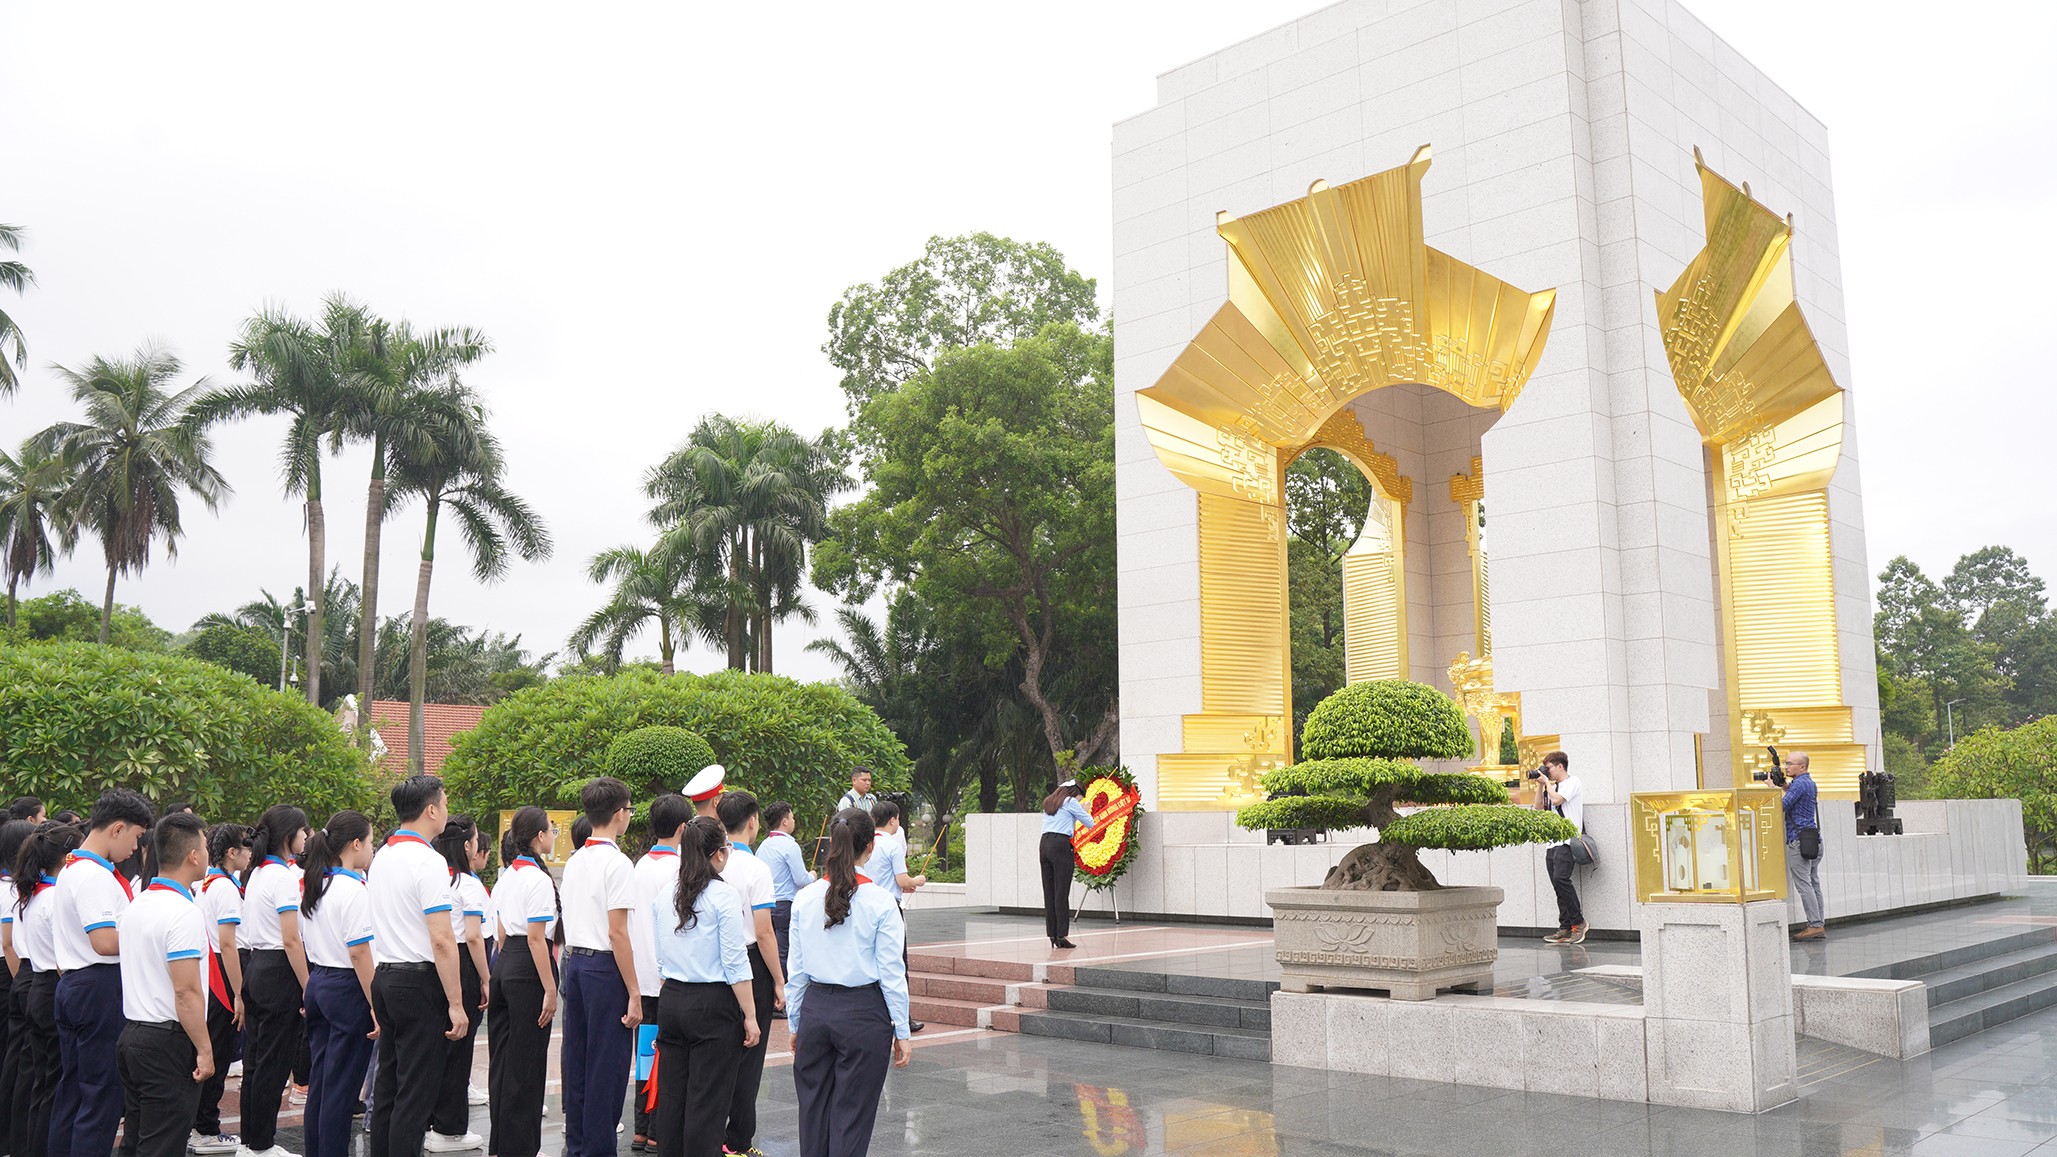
(1770, 413)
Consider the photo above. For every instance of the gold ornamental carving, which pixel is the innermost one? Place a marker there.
(1771, 416)
(1331, 297)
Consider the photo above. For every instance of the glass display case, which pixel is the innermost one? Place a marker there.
(1708, 846)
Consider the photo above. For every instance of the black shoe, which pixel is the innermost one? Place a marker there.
(915, 1026)
(778, 1014)
(1061, 942)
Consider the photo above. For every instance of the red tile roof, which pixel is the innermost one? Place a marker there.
(439, 721)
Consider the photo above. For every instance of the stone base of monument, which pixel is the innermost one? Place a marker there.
(1718, 1004)
(1407, 944)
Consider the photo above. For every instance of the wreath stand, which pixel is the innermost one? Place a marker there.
(1112, 903)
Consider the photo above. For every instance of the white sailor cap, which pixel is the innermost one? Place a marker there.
(705, 785)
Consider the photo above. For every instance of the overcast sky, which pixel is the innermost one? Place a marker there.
(651, 208)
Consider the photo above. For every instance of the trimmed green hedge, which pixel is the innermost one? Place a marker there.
(1477, 828)
(1387, 719)
(779, 738)
(77, 718)
(658, 759)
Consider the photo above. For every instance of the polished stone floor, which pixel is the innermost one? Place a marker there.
(971, 1093)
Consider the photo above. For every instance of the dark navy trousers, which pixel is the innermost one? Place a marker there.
(840, 1058)
(338, 1052)
(598, 1050)
(87, 1109)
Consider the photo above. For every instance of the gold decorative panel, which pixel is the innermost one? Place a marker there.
(1724, 847)
(1771, 415)
(1331, 296)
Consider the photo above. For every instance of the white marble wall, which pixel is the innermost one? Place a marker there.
(1201, 864)
(1563, 133)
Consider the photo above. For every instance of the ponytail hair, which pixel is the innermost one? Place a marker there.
(701, 838)
(226, 838)
(1055, 799)
(274, 836)
(455, 844)
(41, 855)
(325, 851)
(522, 830)
(850, 836)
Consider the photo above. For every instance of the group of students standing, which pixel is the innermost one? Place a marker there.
(384, 959)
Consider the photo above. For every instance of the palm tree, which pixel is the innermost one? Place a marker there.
(755, 495)
(677, 591)
(135, 452)
(294, 366)
(32, 488)
(386, 374)
(456, 462)
(18, 277)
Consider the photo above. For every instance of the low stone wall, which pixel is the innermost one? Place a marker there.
(1887, 1017)
(1199, 864)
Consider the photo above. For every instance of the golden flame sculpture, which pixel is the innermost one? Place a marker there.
(1331, 296)
(1771, 416)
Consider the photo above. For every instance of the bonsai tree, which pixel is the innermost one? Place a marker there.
(1356, 772)
(658, 759)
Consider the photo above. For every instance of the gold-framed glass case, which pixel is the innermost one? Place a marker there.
(1724, 847)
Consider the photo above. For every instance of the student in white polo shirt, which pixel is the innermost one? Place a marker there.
(599, 975)
(40, 1061)
(415, 996)
(738, 813)
(523, 998)
(164, 1054)
(335, 918)
(655, 872)
(221, 905)
(91, 896)
(275, 984)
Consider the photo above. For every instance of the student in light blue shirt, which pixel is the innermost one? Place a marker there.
(706, 1014)
(1062, 812)
(781, 853)
(846, 994)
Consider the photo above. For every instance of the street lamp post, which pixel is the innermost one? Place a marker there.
(1950, 717)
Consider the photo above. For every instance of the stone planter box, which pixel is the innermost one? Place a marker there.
(1408, 944)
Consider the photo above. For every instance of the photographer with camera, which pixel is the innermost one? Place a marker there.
(1559, 791)
(1803, 841)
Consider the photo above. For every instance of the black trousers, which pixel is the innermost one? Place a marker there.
(782, 927)
(14, 998)
(156, 1065)
(641, 1093)
(742, 1125)
(413, 1016)
(221, 1033)
(453, 1096)
(840, 1059)
(517, 1054)
(85, 1113)
(277, 1032)
(1054, 857)
(339, 1047)
(699, 1044)
(1569, 912)
(35, 1073)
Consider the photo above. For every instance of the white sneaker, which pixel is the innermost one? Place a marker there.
(222, 1143)
(274, 1151)
(440, 1143)
(236, 1069)
(296, 1095)
(474, 1095)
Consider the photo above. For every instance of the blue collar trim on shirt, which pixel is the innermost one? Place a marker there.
(168, 882)
(742, 848)
(98, 859)
(664, 848)
(347, 872)
(46, 879)
(529, 860)
(281, 862)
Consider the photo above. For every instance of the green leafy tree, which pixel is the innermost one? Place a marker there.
(992, 496)
(778, 738)
(17, 277)
(2018, 764)
(1327, 501)
(389, 371)
(245, 650)
(745, 500)
(35, 527)
(1359, 744)
(658, 759)
(294, 366)
(1923, 635)
(457, 464)
(76, 718)
(66, 617)
(669, 589)
(977, 289)
(134, 455)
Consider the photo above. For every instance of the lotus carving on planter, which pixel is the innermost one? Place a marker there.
(1381, 920)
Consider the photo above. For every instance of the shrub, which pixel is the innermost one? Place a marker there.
(658, 759)
(77, 718)
(2017, 764)
(779, 738)
(1358, 744)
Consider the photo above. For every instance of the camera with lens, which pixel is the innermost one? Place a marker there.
(1535, 773)
(1777, 774)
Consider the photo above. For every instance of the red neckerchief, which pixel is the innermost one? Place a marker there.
(403, 836)
(591, 840)
(521, 862)
(128, 890)
(663, 850)
(863, 879)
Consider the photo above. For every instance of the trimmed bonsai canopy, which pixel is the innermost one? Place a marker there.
(658, 759)
(1381, 919)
